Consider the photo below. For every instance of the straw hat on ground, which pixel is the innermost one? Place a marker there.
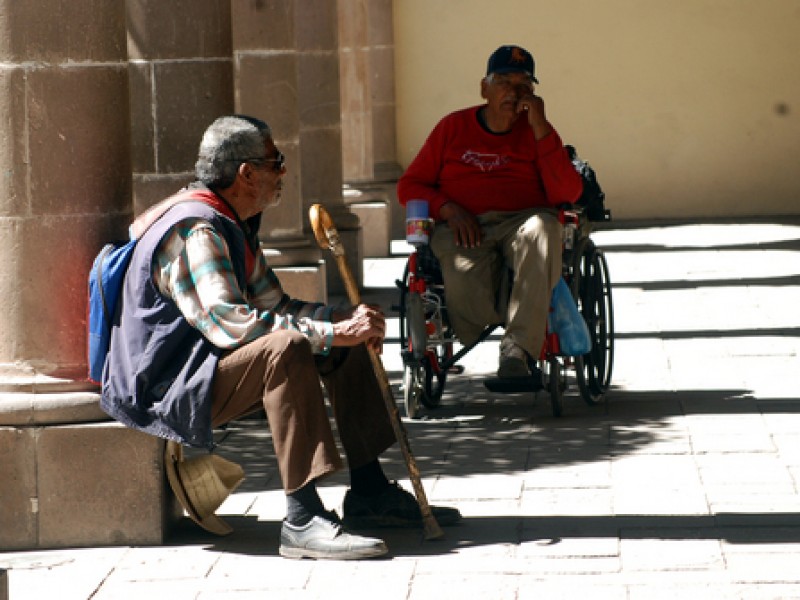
(201, 484)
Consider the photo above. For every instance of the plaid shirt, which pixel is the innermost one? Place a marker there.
(193, 267)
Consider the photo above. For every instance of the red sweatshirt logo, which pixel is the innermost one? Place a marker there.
(485, 162)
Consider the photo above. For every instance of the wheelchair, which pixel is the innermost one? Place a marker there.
(427, 340)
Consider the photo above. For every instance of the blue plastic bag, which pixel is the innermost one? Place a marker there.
(567, 323)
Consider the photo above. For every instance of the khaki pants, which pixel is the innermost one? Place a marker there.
(528, 242)
(278, 372)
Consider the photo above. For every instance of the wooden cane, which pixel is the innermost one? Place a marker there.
(328, 239)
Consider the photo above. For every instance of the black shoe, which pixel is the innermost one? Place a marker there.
(394, 507)
(515, 385)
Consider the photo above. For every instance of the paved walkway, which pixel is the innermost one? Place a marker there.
(688, 487)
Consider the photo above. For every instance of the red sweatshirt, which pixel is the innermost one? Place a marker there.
(482, 171)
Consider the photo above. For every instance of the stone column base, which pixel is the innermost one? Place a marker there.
(84, 484)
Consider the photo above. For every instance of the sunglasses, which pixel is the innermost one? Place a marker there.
(277, 163)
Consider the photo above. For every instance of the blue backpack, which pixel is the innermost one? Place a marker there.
(105, 287)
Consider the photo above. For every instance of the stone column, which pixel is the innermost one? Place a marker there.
(69, 477)
(366, 56)
(286, 72)
(65, 184)
(181, 80)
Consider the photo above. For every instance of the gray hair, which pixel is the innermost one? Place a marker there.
(227, 143)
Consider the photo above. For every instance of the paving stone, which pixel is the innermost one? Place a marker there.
(446, 586)
(584, 475)
(769, 591)
(772, 568)
(658, 554)
(568, 501)
(532, 587)
(666, 591)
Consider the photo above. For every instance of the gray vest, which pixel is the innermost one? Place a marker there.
(159, 371)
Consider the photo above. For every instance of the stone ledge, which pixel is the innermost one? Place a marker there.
(23, 409)
(79, 485)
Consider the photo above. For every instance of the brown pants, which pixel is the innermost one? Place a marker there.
(280, 373)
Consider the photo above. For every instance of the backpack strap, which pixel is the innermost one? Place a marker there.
(140, 226)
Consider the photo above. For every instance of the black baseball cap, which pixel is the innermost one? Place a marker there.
(512, 59)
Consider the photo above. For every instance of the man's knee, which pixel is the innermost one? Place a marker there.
(540, 225)
(540, 234)
(285, 345)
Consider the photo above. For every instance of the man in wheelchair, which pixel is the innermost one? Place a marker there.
(493, 175)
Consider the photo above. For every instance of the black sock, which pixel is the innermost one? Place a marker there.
(368, 479)
(303, 504)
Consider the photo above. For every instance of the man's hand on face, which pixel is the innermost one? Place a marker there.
(533, 105)
(465, 227)
(364, 323)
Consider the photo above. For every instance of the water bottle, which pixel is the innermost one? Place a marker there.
(418, 225)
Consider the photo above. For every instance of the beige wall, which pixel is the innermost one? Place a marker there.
(685, 109)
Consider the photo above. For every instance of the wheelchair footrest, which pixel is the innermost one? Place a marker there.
(514, 385)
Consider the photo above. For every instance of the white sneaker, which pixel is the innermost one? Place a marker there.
(324, 537)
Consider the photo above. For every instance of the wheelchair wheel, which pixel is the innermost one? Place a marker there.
(415, 320)
(422, 386)
(591, 288)
(425, 343)
(554, 380)
(413, 389)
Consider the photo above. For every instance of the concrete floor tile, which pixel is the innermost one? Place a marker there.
(533, 588)
(592, 474)
(670, 554)
(667, 591)
(567, 501)
(583, 547)
(235, 571)
(457, 587)
(661, 502)
(722, 491)
(651, 472)
(381, 578)
(782, 417)
(743, 469)
(133, 590)
(490, 508)
(662, 438)
(584, 565)
(732, 442)
(777, 568)
(761, 541)
(788, 446)
(770, 591)
(486, 487)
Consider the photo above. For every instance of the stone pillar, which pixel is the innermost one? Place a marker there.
(65, 190)
(286, 72)
(366, 57)
(65, 184)
(181, 80)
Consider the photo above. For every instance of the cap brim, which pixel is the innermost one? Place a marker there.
(514, 70)
(173, 456)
